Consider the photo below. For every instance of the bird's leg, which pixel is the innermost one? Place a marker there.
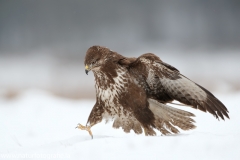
(87, 128)
(94, 118)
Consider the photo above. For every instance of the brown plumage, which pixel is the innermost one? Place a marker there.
(134, 92)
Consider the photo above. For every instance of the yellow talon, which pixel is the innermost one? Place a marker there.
(87, 128)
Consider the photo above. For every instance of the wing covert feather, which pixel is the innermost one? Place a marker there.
(175, 85)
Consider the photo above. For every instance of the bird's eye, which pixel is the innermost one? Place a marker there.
(93, 62)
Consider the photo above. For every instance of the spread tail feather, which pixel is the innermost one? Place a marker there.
(167, 118)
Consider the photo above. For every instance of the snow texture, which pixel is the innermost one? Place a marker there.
(38, 125)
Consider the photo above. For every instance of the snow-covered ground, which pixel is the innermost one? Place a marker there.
(38, 125)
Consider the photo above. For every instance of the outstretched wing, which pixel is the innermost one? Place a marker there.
(165, 80)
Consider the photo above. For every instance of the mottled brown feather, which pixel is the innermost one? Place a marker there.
(134, 91)
(181, 92)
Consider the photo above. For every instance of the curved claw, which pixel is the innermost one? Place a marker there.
(87, 128)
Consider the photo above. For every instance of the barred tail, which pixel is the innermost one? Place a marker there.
(167, 118)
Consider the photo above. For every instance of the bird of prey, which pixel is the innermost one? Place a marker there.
(134, 92)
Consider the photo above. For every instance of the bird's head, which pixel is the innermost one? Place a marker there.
(95, 58)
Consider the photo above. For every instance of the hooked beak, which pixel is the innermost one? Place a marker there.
(86, 69)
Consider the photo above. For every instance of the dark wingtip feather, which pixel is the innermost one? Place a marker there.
(216, 105)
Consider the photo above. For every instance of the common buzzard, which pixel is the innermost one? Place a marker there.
(134, 92)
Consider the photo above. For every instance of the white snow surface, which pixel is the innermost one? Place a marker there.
(38, 125)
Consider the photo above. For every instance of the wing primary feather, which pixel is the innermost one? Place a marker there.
(218, 105)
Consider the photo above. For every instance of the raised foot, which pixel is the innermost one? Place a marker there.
(87, 128)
